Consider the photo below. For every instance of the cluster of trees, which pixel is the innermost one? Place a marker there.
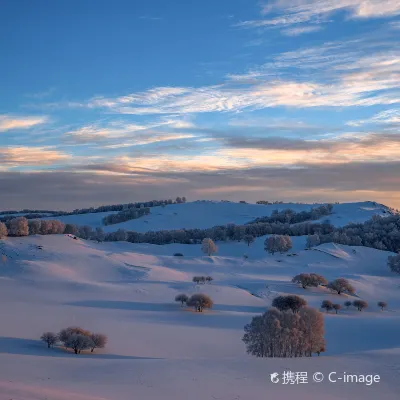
(126, 215)
(291, 217)
(202, 279)
(277, 243)
(198, 301)
(280, 333)
(290, 302)
(309, 280)
(267, 203)
(328, 306)
(75, 338)
(382, 233)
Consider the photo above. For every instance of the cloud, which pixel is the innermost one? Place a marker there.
(338, 182)
(301, 30)
(21, 156)
(9, 122)
(289, 12)
(385, 117)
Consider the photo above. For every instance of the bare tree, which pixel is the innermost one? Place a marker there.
(78, 342)
(394, 263)
(290, 302)
(183, 298)
(348, 304)
(200, 301)
(327, 305)
(337, 307)
(341, 285)
(208, 247)
(98, 341)
(284, 334)
(3, 230)
(382, 305)
(49, 338)
(249, 239)
(360, 304)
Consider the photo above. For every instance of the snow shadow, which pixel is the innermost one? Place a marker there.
(30, 347)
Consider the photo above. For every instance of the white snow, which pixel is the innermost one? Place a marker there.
(156, 349)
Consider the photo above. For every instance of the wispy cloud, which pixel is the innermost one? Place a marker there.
(10, 122)
(385, 117)
(20, 156)
(301, 30)
(288, 12)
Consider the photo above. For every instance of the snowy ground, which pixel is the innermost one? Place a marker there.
(156, 349)
(206, 214)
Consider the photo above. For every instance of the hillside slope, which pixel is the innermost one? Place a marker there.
(157, 349)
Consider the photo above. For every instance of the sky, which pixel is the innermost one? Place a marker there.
(105, 102)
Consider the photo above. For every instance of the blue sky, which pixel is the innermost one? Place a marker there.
(285, 99)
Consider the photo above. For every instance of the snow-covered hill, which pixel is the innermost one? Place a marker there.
(206, 214)
(157, 350)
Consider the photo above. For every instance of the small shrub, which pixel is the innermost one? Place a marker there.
(49, 338)
(327, 305)
(200, 301)
(183, 298)
(360, 304)
(382, 305)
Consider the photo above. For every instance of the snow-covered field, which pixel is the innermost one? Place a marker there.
(206, 214)
(156, 349)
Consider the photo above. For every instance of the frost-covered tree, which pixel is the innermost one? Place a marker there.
(249, 239)
(3, 230)
(336, 307)
(327, 305)
(284, 334)
(78, 342)
(98, 341)
(182, 298)
(208, 247)
(290, 302)
(312, 241)
(382, 305)
(341, 285)
(34, 226)
(85, 232)
(71, 229)
(394, 263)
(360, 304)
(312, 279)
(277, 243)
(209, 279)
(199, 301)
(100, 235)
(18, 227)
(347, 304)
(64, 334)
(49, 338)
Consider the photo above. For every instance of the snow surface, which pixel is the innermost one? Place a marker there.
(156, 349)
(206, 214)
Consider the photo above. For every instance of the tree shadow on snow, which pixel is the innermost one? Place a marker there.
(30, 347)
